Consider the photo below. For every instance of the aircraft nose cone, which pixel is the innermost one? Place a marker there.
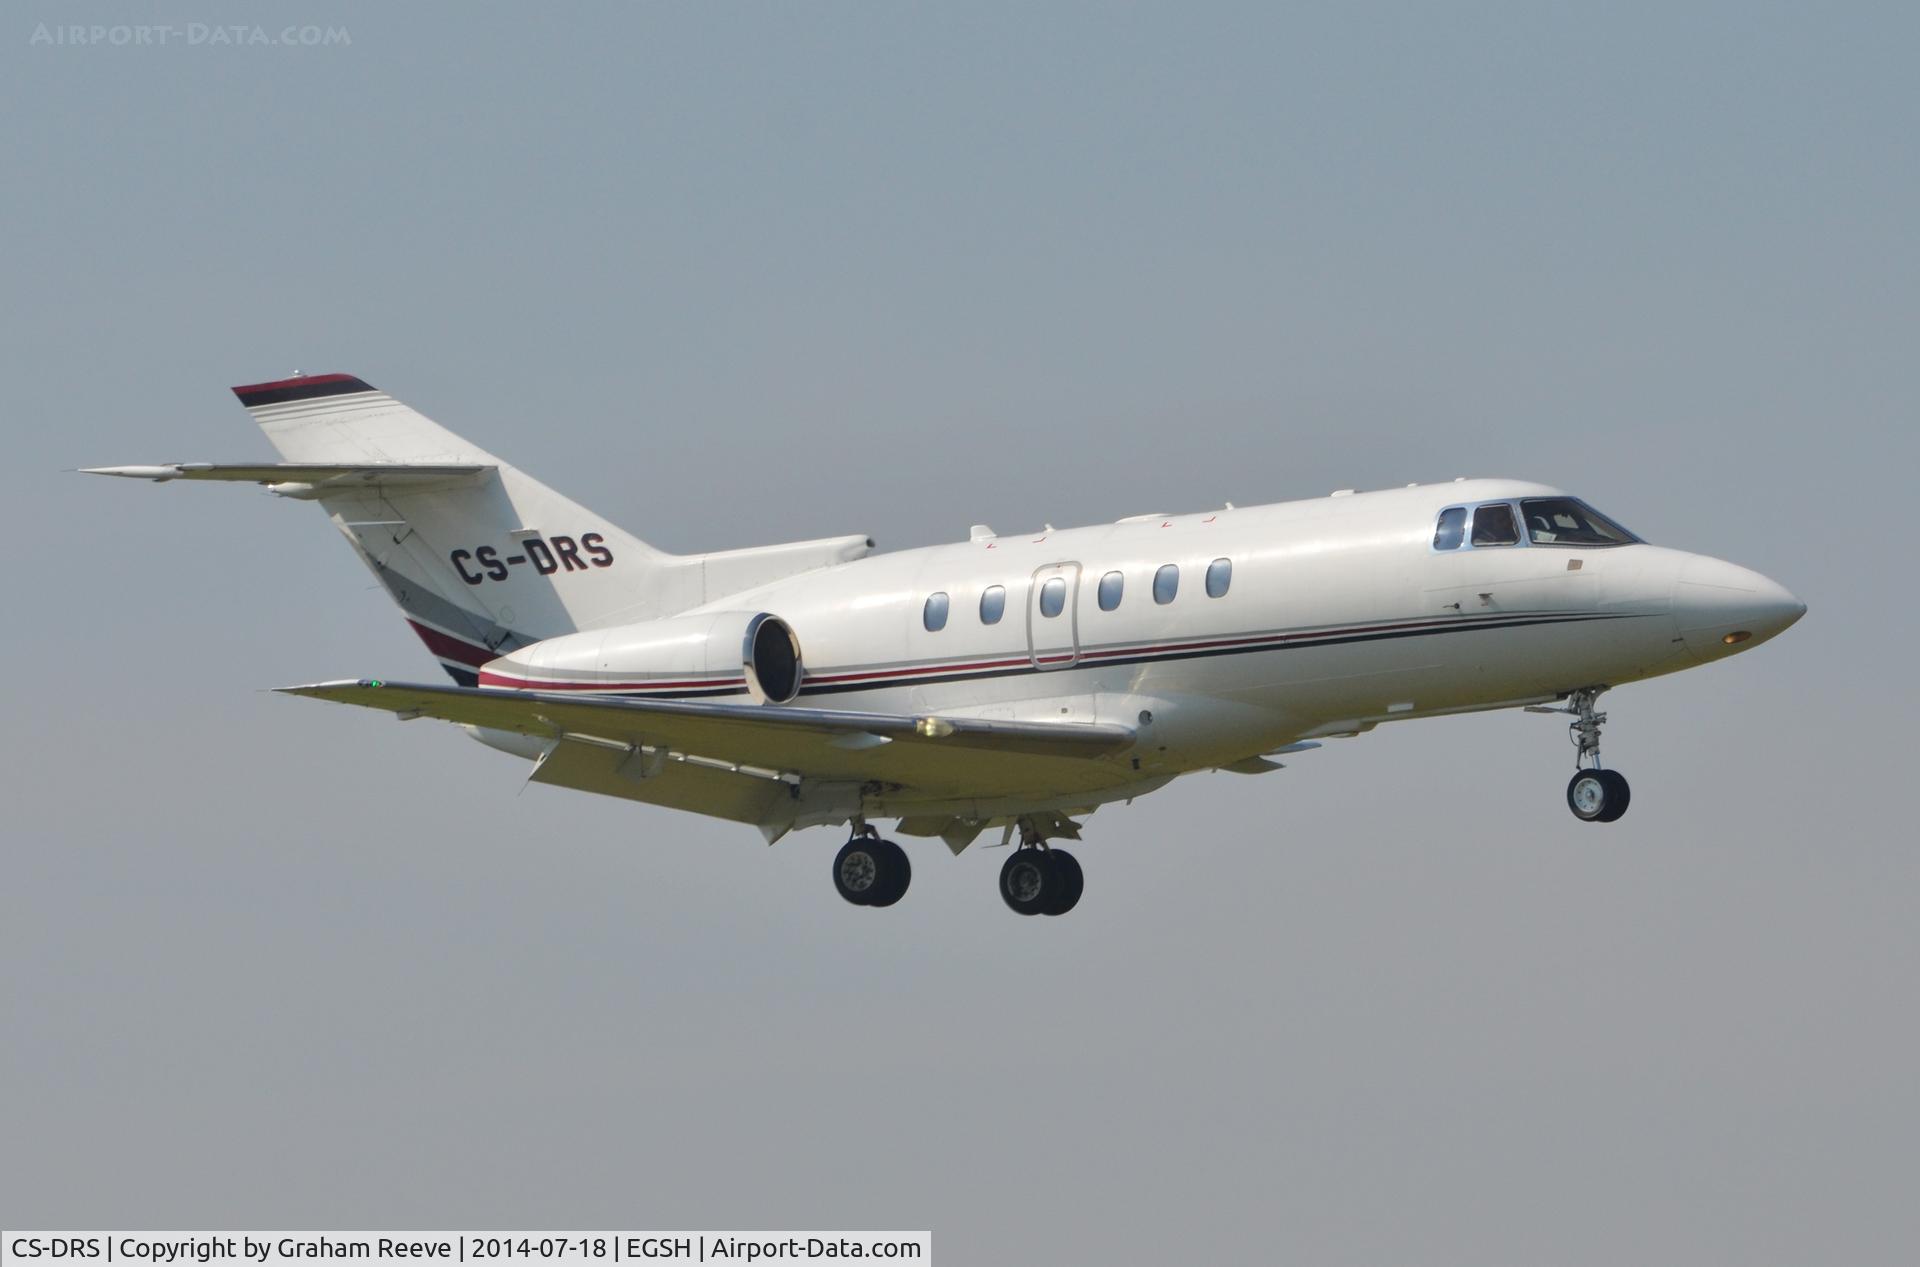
(1724, 608)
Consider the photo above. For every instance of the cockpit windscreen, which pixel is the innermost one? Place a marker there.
(1563, 521)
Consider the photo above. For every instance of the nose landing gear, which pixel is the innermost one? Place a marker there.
(1598, 796)
(869, 871)
(1594, 795)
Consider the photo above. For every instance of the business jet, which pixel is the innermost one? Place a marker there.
(1011, 681)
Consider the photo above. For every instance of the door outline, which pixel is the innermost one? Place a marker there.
(1053, 655)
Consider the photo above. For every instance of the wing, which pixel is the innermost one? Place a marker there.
(757, 763)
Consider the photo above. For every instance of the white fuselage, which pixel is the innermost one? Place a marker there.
(1340, 614)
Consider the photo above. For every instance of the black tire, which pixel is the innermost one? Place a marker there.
(1591, 794)
(896, 873)
(859, 870)
(1068, 881)
(1027, 882)
(1619, 796)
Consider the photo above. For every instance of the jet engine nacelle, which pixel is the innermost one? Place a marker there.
(710, 651)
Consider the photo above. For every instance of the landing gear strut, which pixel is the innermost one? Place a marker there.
(869, 871)
(1595, 795)
(1039, 880)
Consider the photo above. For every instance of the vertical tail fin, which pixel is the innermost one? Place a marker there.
(480, 566)
(482, 558)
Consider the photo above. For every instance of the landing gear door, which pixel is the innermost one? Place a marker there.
(1053, 616)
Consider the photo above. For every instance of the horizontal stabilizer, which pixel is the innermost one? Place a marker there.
(318, 477)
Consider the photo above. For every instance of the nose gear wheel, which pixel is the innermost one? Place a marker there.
(1595, 795)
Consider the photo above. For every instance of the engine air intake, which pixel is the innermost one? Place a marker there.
(771, 657)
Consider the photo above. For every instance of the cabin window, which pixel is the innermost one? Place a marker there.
(1493, 525)
(935, 615)
(1452, 529)
(1562, 521)
(1111, 586)
(1166, 583)
(1219, 576)
(993, 604)
(1053, 597)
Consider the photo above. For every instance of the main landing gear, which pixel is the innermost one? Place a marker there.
(1593, 794)
(870, 871)
(1039, 880)
(1036, 879)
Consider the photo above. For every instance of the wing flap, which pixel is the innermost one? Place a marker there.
(675, 785)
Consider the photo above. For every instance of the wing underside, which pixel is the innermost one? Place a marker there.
(771, 766)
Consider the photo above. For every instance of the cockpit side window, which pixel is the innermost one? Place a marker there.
(1493, 525)
(1562, 521)
(1452, 529)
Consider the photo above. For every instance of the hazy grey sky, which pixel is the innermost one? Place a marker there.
(734, 274)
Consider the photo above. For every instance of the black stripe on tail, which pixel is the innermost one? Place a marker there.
(305, 387)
